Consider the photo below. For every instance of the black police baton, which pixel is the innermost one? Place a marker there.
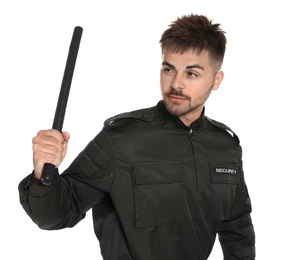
(48, 169)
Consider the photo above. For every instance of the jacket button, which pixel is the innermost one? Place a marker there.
(146, 116)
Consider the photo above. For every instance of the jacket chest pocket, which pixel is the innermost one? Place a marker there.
(225, 178)
(158, 194)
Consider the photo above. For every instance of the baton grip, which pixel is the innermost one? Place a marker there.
(47, 173)
(48, 168)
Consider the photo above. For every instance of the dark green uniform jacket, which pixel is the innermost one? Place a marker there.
(158, 190)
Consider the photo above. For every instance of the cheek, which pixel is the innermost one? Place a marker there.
(164, 83)
(199, 93)
(205, 94)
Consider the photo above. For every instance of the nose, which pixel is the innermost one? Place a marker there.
(178, 81)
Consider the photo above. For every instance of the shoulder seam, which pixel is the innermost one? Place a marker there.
(223, 127)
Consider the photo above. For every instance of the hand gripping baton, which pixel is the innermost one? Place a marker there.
(48, 169)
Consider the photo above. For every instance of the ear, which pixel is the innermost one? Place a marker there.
(218, 79)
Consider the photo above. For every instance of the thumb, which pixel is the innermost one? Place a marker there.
(66, 136)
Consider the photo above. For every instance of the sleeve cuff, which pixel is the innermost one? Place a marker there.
(37, 189)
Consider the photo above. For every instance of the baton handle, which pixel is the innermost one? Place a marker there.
(48, 168)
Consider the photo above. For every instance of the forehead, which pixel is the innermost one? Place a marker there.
(186, 59)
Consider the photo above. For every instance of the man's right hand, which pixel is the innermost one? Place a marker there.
(49, 146)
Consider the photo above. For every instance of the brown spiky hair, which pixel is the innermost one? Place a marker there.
(195, 33)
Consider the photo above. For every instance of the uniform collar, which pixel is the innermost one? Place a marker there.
(176, 122)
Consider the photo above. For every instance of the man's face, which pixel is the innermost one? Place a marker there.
(186, 83)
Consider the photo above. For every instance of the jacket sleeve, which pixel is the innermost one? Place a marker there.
(65, 202)
(236, 235)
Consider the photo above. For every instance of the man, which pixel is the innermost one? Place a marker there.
(161, 181)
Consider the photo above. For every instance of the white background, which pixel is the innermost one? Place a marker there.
(263, 98)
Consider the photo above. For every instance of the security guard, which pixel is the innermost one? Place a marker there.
(163, 181)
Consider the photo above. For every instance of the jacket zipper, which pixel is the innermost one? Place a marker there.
(191, 132)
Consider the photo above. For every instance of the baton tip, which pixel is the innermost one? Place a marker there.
(78, 28)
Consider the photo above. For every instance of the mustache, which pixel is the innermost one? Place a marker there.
(177, 92)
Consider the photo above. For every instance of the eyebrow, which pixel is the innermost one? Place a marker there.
(194, 66)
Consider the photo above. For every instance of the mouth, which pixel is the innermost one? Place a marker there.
(176, 98)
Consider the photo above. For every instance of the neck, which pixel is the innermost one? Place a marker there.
(191, 116)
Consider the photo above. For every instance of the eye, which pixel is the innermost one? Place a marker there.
(192, 74)
(168, 70)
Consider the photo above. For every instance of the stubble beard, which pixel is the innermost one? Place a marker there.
(178, 109)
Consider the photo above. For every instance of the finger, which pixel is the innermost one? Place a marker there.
(66, 136)
(51, 133)
(40, 158)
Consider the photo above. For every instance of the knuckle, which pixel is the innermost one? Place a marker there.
(35, 140)
(35, 147)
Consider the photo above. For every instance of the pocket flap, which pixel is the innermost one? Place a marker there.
(156, 173)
